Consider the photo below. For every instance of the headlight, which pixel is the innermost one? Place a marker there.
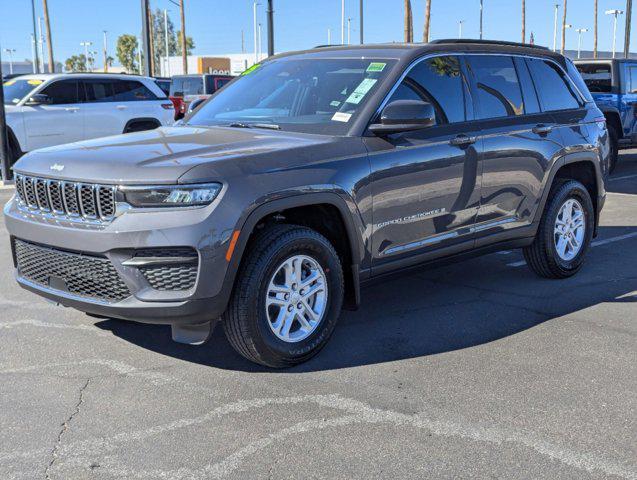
(171, 195)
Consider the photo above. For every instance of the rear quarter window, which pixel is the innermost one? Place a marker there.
(596, 77)
(554, 90)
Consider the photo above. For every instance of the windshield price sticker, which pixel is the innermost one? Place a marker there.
(360, 92)
(376, 67)
(342, 117)
(251, 69)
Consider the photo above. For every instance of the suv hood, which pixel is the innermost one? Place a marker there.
(164, 155)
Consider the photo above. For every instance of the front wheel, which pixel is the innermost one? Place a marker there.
(565, 232)
(287, 298)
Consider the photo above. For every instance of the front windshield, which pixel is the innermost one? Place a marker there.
(18, 88)
(315, 95)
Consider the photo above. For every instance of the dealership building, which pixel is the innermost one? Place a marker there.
(224, 64)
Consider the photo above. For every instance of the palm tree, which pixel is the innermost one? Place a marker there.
(49, 41)
(595, 32)
(425, 35)
(564, 28)
(523, 21)
(409, 23)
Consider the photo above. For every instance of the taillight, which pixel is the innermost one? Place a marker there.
(167, 106)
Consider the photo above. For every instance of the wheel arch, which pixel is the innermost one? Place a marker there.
(275, 210)
(581, 167)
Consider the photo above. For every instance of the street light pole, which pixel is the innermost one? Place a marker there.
(4, 138)
(557, 7)
(254, 20)
(460, 22)
(105, 51)
(360, 14)
(579, 40)
(615, 13)
(36, 60)
(10, 51)
(270, 28)
(342, 22)
(349, 30)
(86, 45)
(629, 14)
(481, 12)
(34, 54)
(167, 73)
(145, 44)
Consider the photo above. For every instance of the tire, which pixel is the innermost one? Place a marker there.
(542, 255)
(250, 326)
(614, 148)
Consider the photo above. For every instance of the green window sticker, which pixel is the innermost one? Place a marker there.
(376, 67)
(360, 92)
(251, 69)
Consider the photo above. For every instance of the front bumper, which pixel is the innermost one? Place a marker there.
(118, 242)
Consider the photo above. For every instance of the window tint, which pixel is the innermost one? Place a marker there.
(498, 87)
(555, 92)
(131, 91)
(529, 95)
(437, 81)
(631, 81)
(99, 90)
(65, 91)
(597, 76)
(577, 79)
(193, 86)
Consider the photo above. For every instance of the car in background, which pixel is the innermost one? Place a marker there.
(164, 84)
(53, 109)
(613, 85)
(186, 88)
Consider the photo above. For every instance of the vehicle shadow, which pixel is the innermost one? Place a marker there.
(433, 311)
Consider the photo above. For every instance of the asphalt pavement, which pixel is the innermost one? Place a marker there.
(473, 370)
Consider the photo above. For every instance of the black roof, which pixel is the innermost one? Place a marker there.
(404, 51)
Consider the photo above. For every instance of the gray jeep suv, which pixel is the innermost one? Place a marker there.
(308, 176)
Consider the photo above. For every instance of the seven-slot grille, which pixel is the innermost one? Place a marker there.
(83, 275)
(72, 199)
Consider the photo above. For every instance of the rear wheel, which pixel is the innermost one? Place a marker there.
(287, 299)
(565, 232)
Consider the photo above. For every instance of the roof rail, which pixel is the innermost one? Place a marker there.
(330, 45)
(486, 42)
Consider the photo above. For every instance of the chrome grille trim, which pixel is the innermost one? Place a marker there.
(94, 202)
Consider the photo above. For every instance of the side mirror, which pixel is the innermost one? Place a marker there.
(39, 99)
(194, 104)
(404, 116)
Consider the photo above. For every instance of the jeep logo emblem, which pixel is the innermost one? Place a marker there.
(57, 167)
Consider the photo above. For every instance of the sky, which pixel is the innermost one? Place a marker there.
(216, 25)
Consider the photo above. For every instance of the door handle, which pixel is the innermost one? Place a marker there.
(542, 129)
(72, 109)
(462, 140)
(121, 107)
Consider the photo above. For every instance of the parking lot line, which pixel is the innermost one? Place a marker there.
(597, 243)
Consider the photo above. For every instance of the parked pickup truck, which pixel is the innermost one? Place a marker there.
(613, 84)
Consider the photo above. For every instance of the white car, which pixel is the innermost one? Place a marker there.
(48, 110)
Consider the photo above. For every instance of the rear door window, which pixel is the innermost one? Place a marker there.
(63, 92)
(498, 87)
(99, 91)
(131, 91)
(438, 81)
(555, 91)
(529, 95)
(631, 81)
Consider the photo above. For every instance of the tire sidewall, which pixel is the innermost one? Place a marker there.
(266, 339)
(614, 149)
(570, 190)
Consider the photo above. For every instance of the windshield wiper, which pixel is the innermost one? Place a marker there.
(271, 126)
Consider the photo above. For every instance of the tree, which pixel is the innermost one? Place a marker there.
(49, 36)
(159, 38)
(564, 28)
(409, 23)
(75, 63)
(127, 52)
(425, 34)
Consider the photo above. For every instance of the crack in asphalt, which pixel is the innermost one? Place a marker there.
(64, 429)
